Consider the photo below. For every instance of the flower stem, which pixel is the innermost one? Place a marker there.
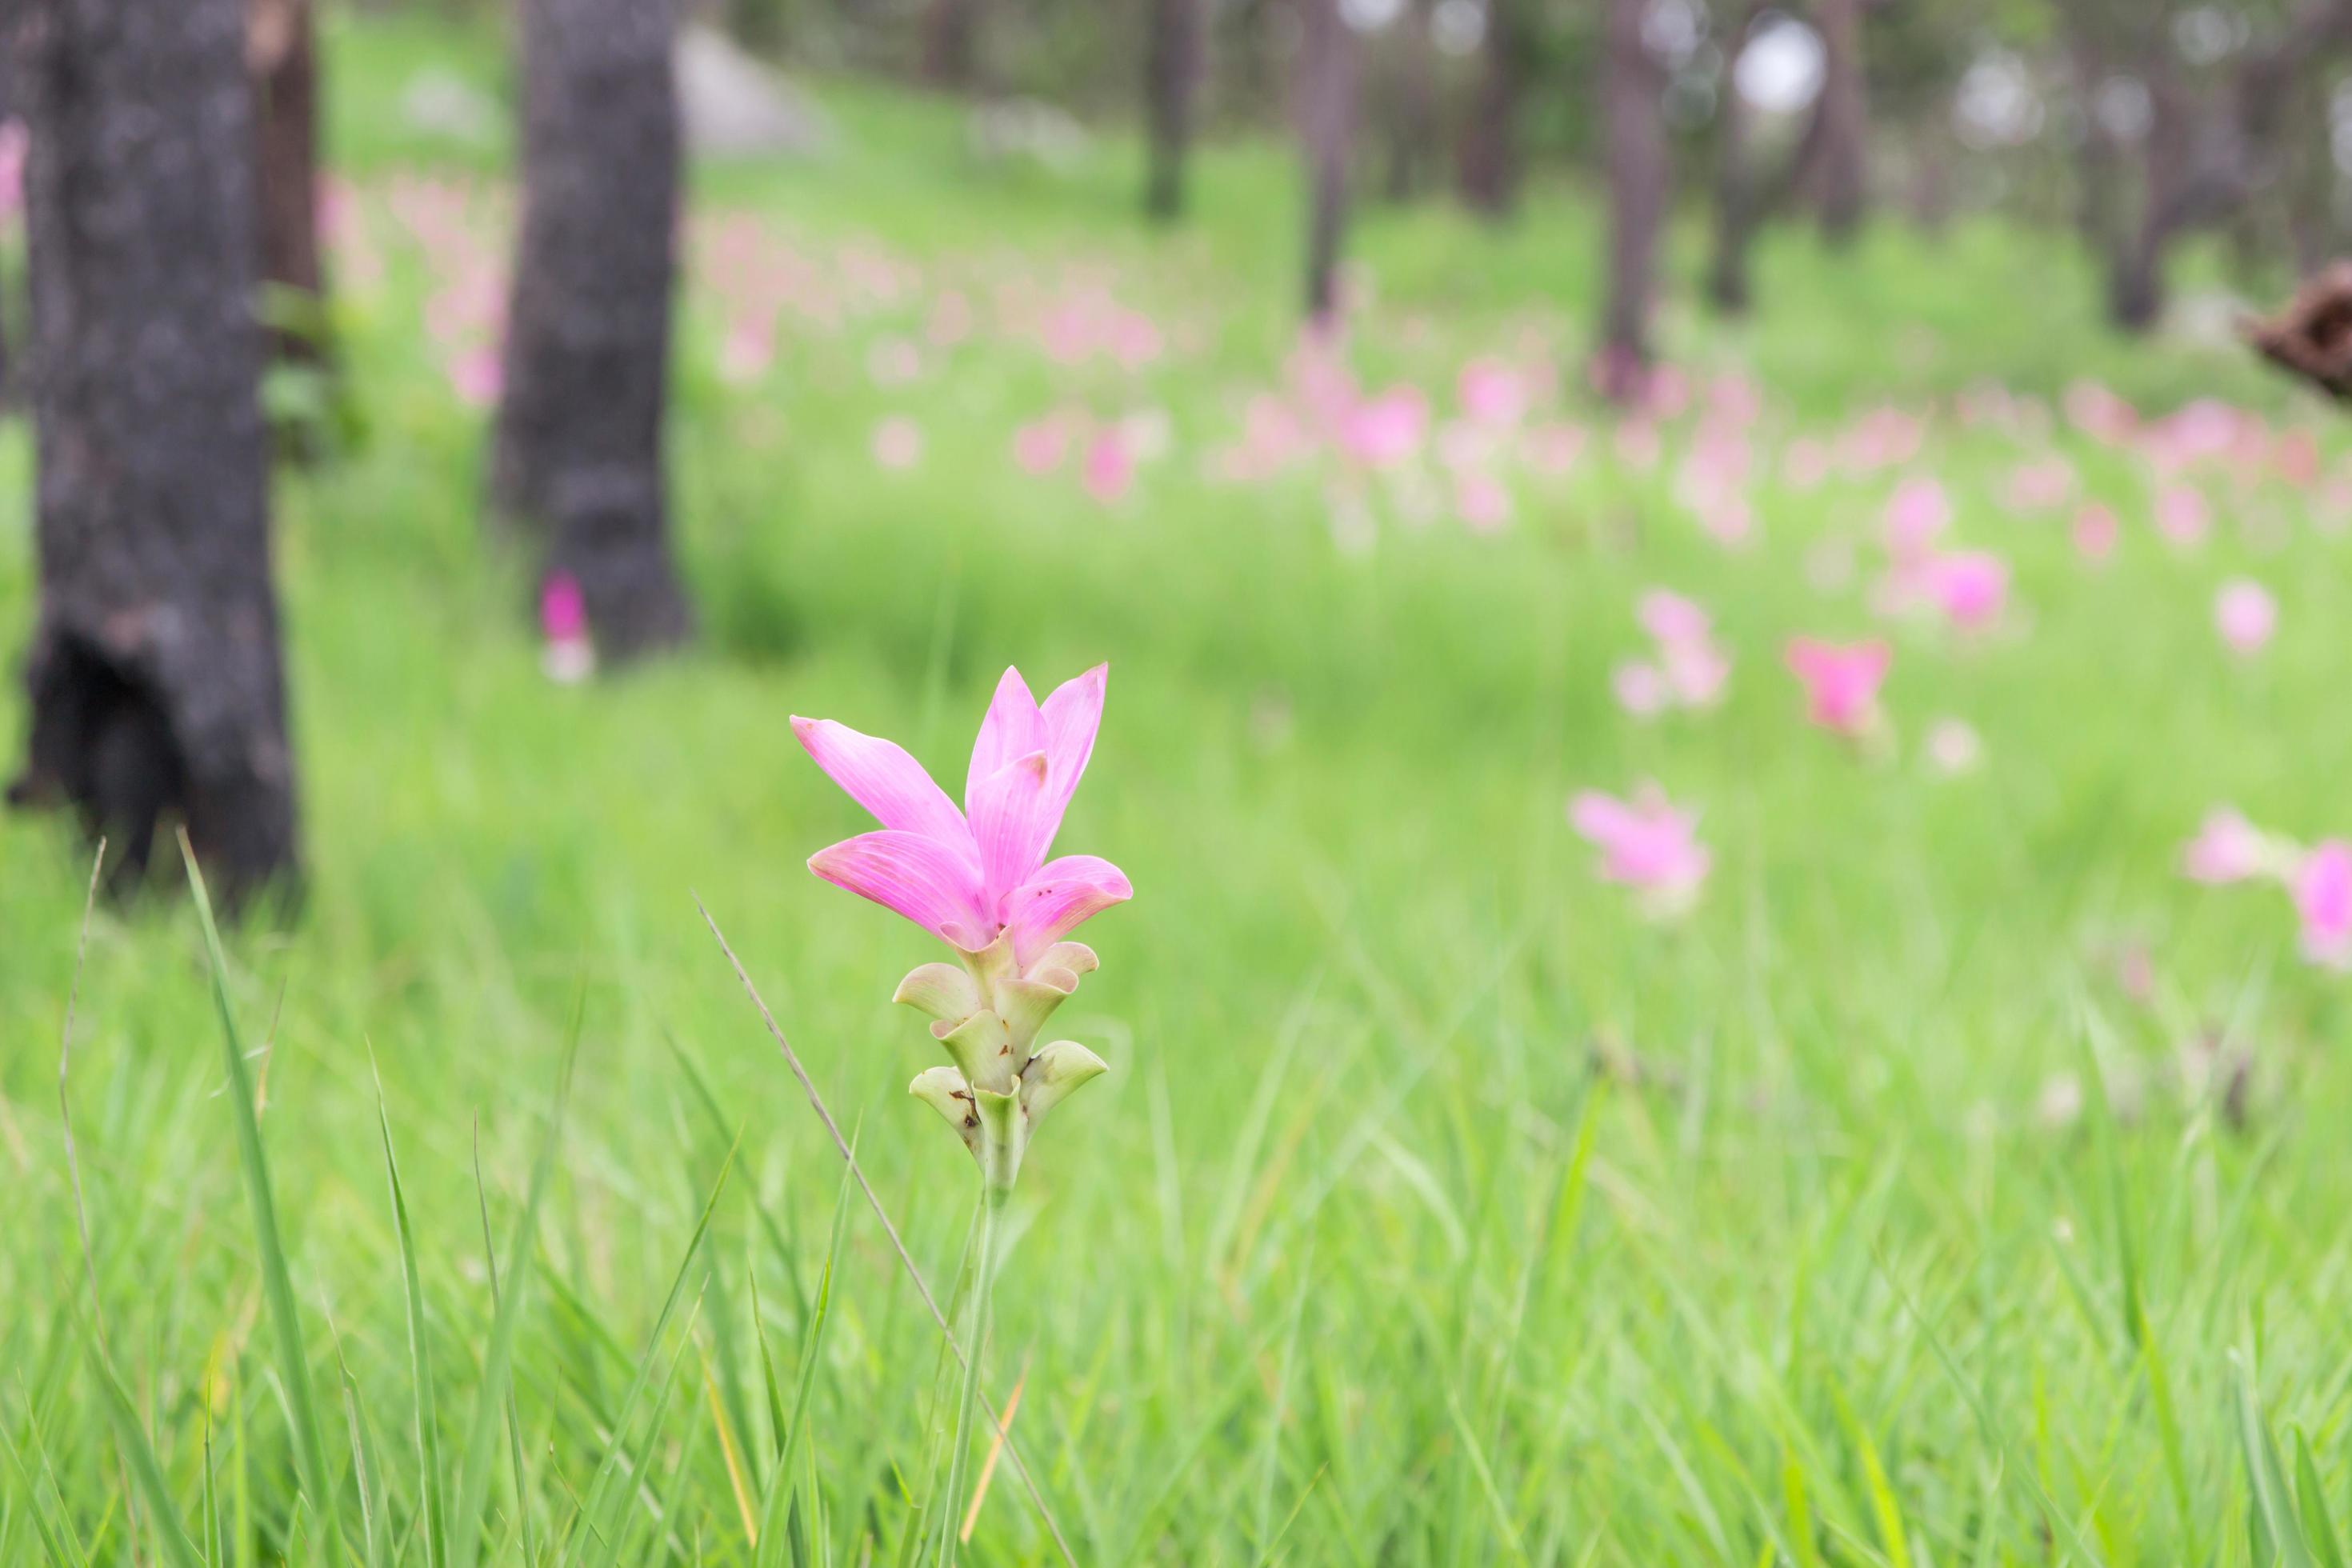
(975, 1343)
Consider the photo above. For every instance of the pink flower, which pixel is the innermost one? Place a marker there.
(476, 377)
(1641, 689)
(1696, 671)
(14, 141)
(1492, 393)
(1916, 515)
(2323, 897)
(1109, 468)
(1645, 843)
(1387, 429)
(2181, 515)
(1040, 446)
(1671, 618)
(2245, 614)
(897, 443)
(2227, 848)
(971, 877)
(1484, 505)
(1953, 746)
(1841, 680)
(1970, 587)
(562, 613)
(2094, 532)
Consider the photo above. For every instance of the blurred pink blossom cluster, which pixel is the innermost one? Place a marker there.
(1646, 844)
(2318, 879)
(1685, 670)
(1970, 588)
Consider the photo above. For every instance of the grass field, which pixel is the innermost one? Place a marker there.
(1955, 1184)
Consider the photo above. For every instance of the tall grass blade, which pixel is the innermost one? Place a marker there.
(435, 1525)
(276, 1284)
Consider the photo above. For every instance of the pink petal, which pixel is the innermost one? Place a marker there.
(1071, 715)
(880, 776)
(931, 883)
(1011, 824)
(1064, 894)
(1012, 729)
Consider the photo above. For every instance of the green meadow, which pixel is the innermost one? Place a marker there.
(1955, 1184)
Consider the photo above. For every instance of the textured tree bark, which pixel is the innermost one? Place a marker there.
(952, 43)
(1171, 82)
(282, 53)
(154, 673)
(1488, 164)
(1842, 167)
(578, 461)
(1326, 122)
(1632, 84)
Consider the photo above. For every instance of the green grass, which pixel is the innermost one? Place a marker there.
(1438, 1208)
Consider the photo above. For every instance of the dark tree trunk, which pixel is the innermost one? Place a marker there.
(578, 464)
(1842, 167)
(1327, 123)
(1489, 161)
(282, 52)
(952, 43)
(1632, 84)
(1738, 204)
(153, 676)
(1172, 82)
(1412, 127)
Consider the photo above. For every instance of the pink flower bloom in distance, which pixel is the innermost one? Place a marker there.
(1970, 587)
(1645, 844)
(2227, 848)
(2322, 897)
(897, 443)
(1840, 682)
(2245, 614)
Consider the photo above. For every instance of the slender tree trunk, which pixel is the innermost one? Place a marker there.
(282, 53)
(1488, 164)
(1171, 81)
(1630, 87)
(1738, 199)
(1841, 172)
(153, 674)
(1412, 128)
(952, 43)
(578, 463)
(1326, 120)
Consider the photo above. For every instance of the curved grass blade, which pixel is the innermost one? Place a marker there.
(145, 1473)
(781, 1487)
(2278, 1534)
(435, 1525)
(481, 1442)
(514, 1415)
(276, 1284)
(2311, 1502)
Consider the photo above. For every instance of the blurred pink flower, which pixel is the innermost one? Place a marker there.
(2227, 848)
(1840, 682)
(562, 613)
(1696, 670)
(1970, 587)
(2095, 529)
(1492, 392)
(970, 876)
(14, 142)
(1953, 746)
(1109, 466)
(2245, 614)
(1385, 430)
(1042, 444)
(2040, 485)
(1916, 515)
(897, 443)
(1482, 501)
(2181, 515)
(1645, 843)
(2322, 897)
(1670, 617)
(476, 377)
(1641, 689)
